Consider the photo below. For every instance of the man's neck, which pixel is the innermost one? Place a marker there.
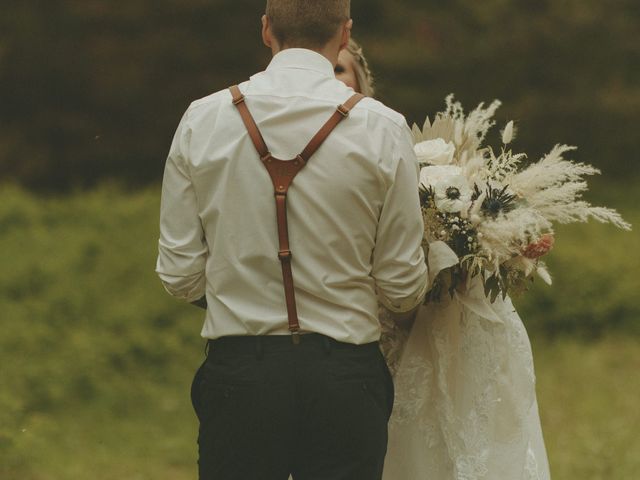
(330, 51)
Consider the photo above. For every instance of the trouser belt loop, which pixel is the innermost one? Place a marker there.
(259, 348)
(326, 343)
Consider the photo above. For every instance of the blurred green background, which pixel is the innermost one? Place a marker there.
(96, 360)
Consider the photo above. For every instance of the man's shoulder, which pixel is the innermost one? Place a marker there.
(384, 113)
(379, 110)
(212, 100)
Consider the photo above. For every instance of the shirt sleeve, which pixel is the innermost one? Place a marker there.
(399, 267)
(182, 248)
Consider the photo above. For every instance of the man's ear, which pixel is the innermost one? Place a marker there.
(266, 31)
(346, 34)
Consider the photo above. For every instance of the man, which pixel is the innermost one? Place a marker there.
(294, 382)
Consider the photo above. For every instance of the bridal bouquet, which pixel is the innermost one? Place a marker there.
(488, 214)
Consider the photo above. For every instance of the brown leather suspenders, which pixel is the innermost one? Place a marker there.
(282, 173)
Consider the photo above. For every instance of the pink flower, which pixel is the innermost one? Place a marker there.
(539, 248)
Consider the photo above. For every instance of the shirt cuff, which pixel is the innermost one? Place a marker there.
(408, 303)
(189, 288)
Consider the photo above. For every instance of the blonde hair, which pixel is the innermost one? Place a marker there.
(306, 23)
(361, 67)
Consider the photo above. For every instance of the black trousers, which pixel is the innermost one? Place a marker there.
(268, 409)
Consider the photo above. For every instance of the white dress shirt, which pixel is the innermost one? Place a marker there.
(354, 219)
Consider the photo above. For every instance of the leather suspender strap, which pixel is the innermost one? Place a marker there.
(247, 118)
(340, 114)
(282, 173)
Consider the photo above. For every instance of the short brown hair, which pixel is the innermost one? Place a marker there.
(306, 23)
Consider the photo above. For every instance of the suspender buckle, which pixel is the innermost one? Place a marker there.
(239, 100)
(344, 111)
(285, 255)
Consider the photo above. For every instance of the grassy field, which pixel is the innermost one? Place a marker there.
(96, 360)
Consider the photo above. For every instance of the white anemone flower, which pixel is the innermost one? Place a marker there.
(450, 186)
(433, 174)
(453, 194)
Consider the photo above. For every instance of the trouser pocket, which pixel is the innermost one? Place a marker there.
(196, 391)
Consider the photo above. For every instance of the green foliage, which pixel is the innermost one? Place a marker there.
(88, 334)
(587, 396)
(95, 89)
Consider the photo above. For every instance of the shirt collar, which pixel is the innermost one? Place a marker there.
(301, 58)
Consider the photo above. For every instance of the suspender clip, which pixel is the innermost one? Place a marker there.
(285, 255)
(295, 337)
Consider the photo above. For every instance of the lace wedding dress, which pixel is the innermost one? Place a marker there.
(465, 405)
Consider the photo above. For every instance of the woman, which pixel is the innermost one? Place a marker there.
(352, 69)
(465, 405)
